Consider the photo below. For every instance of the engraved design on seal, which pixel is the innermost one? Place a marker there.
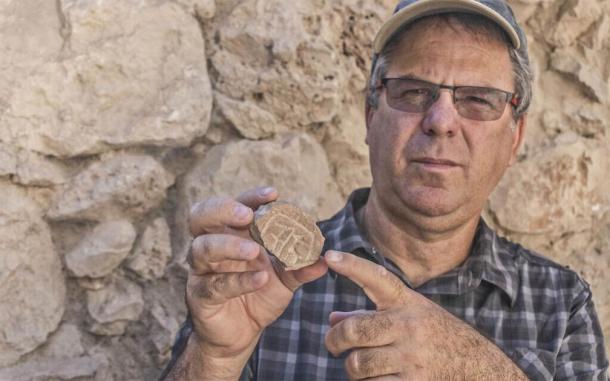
(287, 238)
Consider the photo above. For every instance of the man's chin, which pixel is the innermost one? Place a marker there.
(430, 202)
(432, 210)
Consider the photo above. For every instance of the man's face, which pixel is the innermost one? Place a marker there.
(438, 163)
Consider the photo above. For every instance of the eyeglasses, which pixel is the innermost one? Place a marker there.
(472, 102)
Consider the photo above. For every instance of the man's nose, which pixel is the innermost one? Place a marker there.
(440, 118)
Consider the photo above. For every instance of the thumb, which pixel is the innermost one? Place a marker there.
(338, 316)
(296, 278)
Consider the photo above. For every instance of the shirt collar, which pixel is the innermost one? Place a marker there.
(491, 259)
(342, 231)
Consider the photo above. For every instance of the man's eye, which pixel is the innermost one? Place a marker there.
(414, 93)
(421, 91)
(478, 101)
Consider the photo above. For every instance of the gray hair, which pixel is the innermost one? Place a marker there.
(522, 72)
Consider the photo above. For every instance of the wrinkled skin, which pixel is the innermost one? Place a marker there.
(233, 289)
(407, 337)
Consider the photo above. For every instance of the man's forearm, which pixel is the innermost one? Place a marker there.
(193, 364)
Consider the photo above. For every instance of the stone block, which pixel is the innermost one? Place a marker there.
(77, 368)
(130, 74)
(575, 18)
(32, 285)
(152, 252)
(549, 193)
(30, 168)
(163, 338)
(249, 119)
(294, 62)
(118, 186)
(103, 250)
(31, 36)
(36, 170)
(66, 342)
(120, 301)
(586, 69)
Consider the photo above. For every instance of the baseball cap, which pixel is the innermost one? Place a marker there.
(408, 11)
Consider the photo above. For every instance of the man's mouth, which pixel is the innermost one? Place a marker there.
(435, 162)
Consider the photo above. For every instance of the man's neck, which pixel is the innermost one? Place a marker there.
(421, 254)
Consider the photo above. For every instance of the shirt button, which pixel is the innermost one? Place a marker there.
(470, 282)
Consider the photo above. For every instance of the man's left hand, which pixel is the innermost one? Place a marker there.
(407, 337)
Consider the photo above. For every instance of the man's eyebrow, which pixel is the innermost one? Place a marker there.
(414, 77)
(485, 85)
(411, 76)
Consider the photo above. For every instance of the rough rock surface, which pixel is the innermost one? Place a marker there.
(36, 170)
(121, 300)
(555, 192)
(32, 285)
(102, 251)
(134, 110)
(30, 168)
(584, 67)
(114, 328)
(8, 160)
(31, 37)
(56, 369)
(294, 67)
(346, 148)
(288, 233)
(153, 252)
(66, 342)
(126, 74)
(163, 338)
(575, 18)
(121, 185)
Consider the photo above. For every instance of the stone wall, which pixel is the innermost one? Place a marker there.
(115, 115)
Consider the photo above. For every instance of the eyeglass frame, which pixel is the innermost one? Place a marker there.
(511, 98)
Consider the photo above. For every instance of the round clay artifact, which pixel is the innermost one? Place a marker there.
(287, 233)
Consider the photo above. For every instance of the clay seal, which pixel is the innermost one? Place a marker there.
(288, 233)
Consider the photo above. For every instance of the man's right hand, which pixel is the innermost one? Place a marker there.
(234, 290)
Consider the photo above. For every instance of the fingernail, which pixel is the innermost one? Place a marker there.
(266, 191)
(247, 248)
(241, 211)
(333, 256)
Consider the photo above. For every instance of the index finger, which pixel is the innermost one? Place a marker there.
(216, 213)
(380, 285)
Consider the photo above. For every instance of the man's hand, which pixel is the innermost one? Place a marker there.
(408, 337)
(233, 289)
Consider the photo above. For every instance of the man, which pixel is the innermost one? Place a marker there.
(414, 285)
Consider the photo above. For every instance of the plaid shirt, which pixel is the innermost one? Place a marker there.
(539, 313)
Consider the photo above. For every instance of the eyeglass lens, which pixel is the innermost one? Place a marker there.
(477, 103)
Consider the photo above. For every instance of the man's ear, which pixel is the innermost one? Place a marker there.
(369, 111)
(518, 135)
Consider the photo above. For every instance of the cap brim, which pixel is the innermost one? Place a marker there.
(426, 7)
